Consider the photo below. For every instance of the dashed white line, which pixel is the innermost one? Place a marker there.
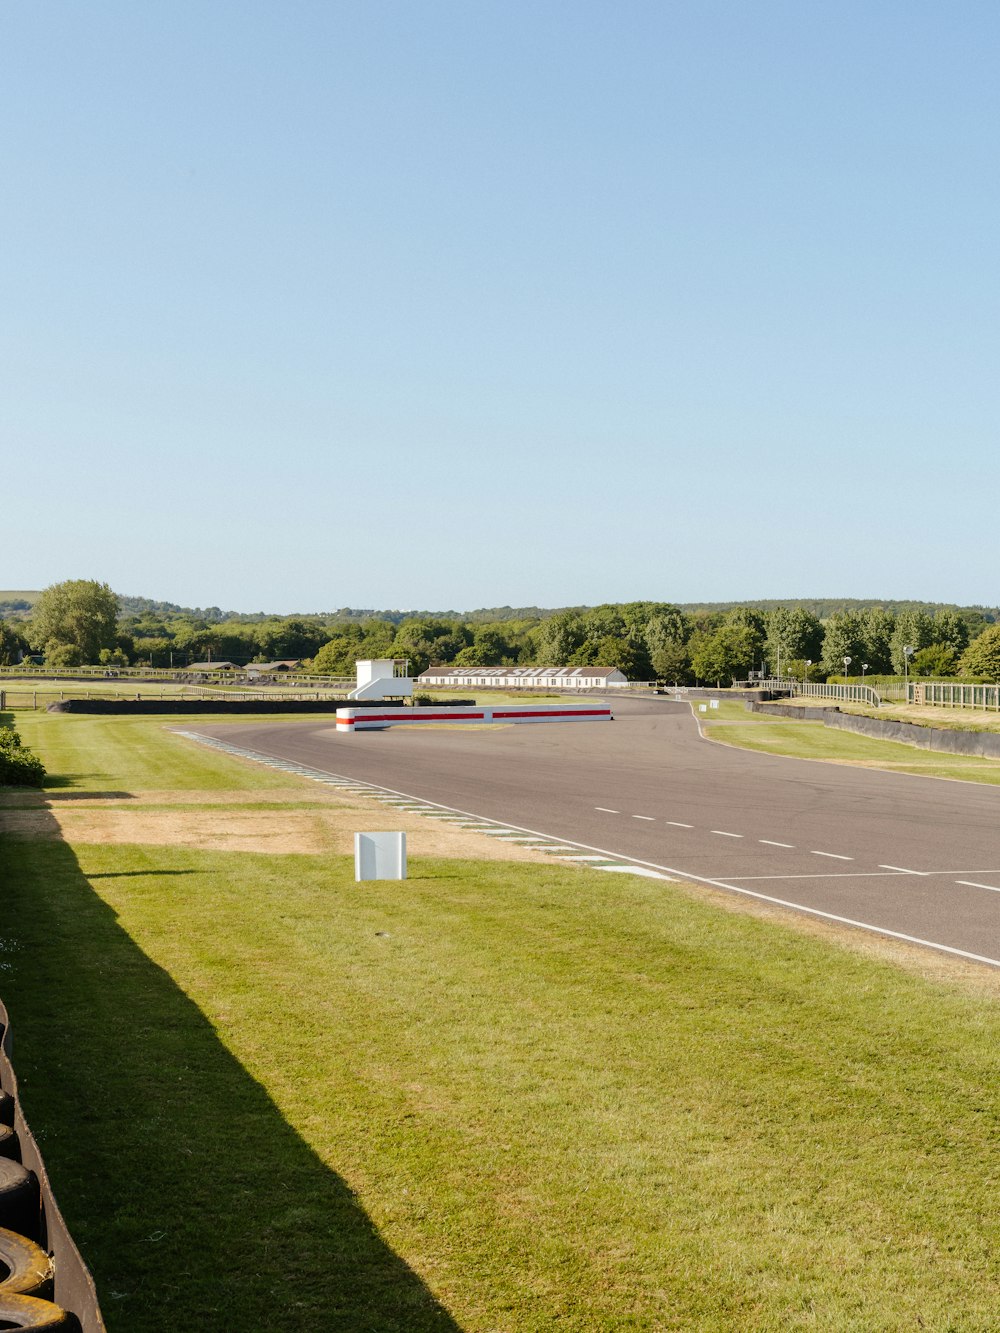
(723, 834)
(770, 843)
(971, 884)
(605, 811)
(834, 856)
(903, 870)
(647, 817)
(675, 823)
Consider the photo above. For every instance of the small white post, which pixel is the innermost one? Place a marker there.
(379, 856)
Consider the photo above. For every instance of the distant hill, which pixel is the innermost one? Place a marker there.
(16, 605)
(824, 607)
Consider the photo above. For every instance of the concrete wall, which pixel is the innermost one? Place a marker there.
(984, 744)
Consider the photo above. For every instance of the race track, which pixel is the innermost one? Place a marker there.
(909, 856)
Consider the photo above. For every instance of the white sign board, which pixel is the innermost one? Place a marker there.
(702, 708)
(379, 856)
(713, 703)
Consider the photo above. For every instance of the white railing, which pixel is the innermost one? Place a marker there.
(942, 695)
(858, 694)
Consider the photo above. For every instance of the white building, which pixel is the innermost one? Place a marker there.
(506, 678)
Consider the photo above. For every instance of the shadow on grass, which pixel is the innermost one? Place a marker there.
(88, 794)
(138, 874)
(55, 781)
(195, 1203)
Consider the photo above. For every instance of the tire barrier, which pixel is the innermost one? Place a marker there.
(44, 1283)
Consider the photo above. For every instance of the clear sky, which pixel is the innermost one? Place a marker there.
(459, 303)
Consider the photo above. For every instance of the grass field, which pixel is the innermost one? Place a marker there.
(498, 1097)
(730, 724)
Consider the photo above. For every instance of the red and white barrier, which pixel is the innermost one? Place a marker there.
(376, 719)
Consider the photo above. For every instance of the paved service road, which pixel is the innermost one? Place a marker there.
(918, 857)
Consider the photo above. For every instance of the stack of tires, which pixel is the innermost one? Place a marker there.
(47, 1285)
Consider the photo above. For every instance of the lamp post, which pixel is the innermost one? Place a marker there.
(805, 670)
(847, 663)
(864, 668)
(907, 654)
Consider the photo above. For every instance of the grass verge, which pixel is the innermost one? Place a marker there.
(495, 1097)
(811, 740)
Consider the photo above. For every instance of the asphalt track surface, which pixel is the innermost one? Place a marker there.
(905, 856)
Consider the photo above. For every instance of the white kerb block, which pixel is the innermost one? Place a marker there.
(379, 856)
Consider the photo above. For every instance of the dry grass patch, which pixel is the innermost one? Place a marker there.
(240, 821)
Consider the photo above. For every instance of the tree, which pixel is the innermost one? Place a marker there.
(951, 629)
(559, 637)
(798, 670)
(666, 634)
(289, 638)
(490, 647)
(751, 625)
(338, 656)
(938, 659)
(426, 641)
(672, 662)
(914, 629)
(793, 633)
(154, 649)
(628, 656)
(844, 637)
(12, 644)
(982, 657)
(78, 613)
(877, 626)
(726, 655)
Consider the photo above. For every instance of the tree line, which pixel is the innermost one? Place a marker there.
(81, 622)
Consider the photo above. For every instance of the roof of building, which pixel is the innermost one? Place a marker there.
(282, 664)
(526, 673)
(211, 666)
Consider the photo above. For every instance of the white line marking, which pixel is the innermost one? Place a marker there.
(840, 874)
(970, 884)
(632, 870)
(672, 872)
(769, 843)
(646, 817)
(834, 856)
(605, 811)
(723, 834)
(903, 870)
(675, 823)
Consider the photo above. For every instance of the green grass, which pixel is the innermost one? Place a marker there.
(811, 740)
(87, 753)
(929, 715)
(495, 1097)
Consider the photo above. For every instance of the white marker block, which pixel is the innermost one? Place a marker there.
(379, 856)
(703, 708)
(713, 703)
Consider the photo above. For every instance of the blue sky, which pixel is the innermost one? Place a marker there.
(402, 304)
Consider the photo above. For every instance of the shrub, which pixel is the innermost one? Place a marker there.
(63, 655)
(18, 766)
